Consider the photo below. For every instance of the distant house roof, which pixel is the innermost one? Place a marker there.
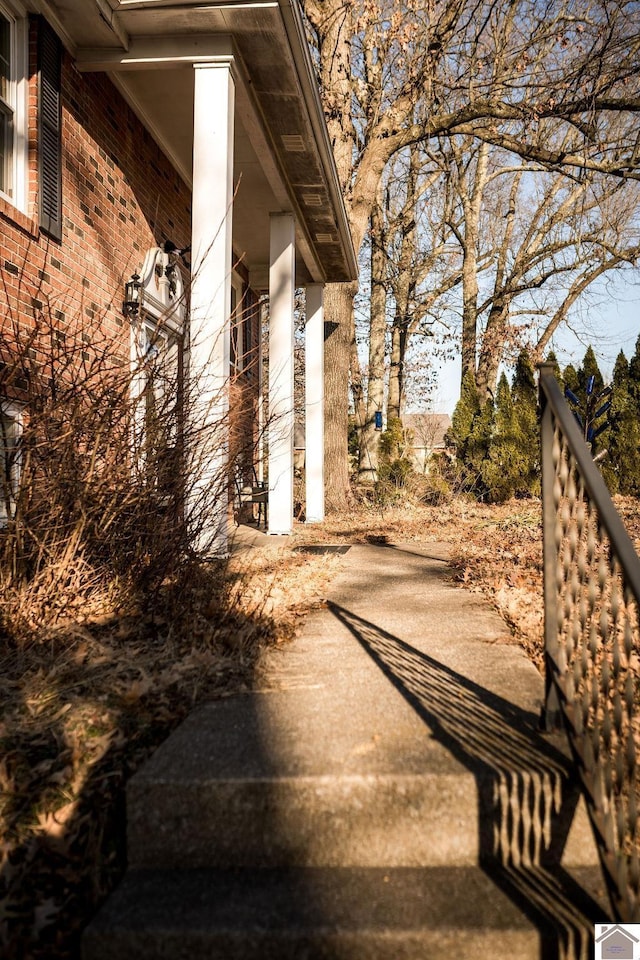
(428, 429)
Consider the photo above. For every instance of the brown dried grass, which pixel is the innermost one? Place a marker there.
(111, 628)
(87, 704)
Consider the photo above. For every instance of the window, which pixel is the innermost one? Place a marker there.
(10, 430)
(157, 358)
(157, 391)
(6, 104)
(160, 373)
(13, 104)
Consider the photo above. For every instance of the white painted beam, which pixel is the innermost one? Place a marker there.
(160, 52)
(280, 412)
(314, 404)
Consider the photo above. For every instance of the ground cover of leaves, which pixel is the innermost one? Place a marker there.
(87, 701)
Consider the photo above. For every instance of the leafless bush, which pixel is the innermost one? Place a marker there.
(95, 502)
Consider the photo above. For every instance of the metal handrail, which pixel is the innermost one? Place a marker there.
(592, 641)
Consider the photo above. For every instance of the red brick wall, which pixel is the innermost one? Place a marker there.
(120, 196)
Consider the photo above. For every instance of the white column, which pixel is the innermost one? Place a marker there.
(263, 314)
(314, 403)
(208, 370)
(280, 429)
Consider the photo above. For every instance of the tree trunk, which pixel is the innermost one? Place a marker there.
(368, 465)
(404, 291)
(471, 196)
(495, 335)
(492, 350)
(338, 334)
(396, 401)
(469, 317)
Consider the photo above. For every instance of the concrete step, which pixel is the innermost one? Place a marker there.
(342, 914)
(383, 793)
(226, 790)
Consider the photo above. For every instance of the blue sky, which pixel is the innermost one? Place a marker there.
(608, 320)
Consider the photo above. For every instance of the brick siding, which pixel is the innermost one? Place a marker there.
(121, 195)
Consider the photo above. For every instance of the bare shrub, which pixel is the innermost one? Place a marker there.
(96, 504)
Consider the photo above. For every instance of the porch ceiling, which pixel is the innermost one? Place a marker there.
(283, 158)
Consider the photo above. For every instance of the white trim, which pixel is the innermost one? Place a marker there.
(282, 256)
(314, 403)
(112, 19)
(263, 317)
(18, 101)
(211, 268)
(141, 4)
(160, 53)
(238, 345)
(158, 297)
(162, 311)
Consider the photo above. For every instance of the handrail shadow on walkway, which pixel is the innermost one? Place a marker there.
(527, 796)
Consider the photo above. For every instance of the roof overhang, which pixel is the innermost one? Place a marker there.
(283, 157)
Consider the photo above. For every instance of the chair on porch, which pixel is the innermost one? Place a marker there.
(253, 492)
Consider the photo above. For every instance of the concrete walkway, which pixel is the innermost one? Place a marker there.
(383, 794)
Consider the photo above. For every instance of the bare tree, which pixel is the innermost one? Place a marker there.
(536, 241)
(377, 332)
(410, 271)
(394, 75)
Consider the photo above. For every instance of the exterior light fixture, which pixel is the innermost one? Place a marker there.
(132, 296)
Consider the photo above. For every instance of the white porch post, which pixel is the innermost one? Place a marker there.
(314, 403)
(280, 429)
(208, 383)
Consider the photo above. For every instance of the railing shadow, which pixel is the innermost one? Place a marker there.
(526, 793)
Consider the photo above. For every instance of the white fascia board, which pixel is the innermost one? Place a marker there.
(104, 8)
(111, 11)
(294, 27)
(197, 7)
(158, 52)
(49, 11)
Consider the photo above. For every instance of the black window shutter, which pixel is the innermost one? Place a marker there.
(49, 130)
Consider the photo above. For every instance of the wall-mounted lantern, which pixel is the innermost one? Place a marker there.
(132, 296)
